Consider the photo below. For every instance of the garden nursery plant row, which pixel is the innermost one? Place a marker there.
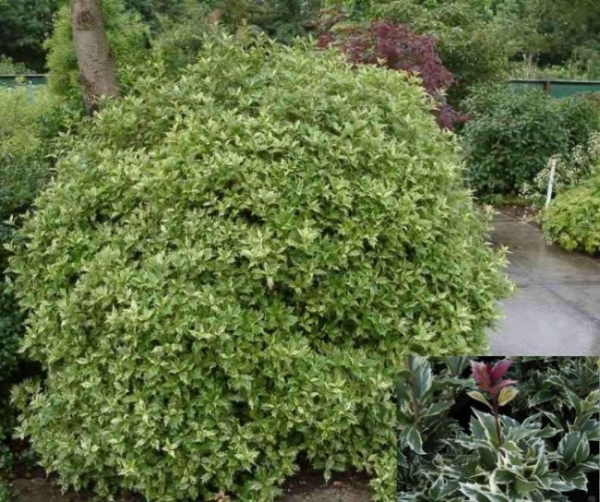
(243, 255)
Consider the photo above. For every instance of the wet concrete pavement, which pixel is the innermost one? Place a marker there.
(556, 308)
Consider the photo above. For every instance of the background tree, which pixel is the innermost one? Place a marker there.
(395, 47)
(24, 25)
(565, 30)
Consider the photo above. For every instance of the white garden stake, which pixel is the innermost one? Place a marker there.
(550, 181)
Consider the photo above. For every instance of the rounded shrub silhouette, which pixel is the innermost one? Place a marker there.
(224, 275)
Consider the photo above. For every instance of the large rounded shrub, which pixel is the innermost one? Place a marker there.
(226, 271)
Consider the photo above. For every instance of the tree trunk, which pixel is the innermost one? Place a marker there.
(94, 58)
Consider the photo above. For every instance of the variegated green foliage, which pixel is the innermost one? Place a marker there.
(541, 458)
(424, 400)
(544, 382)
(573, 218)
(24, 170)
(229, 267)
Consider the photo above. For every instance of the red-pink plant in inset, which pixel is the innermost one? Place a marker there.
(490, 379)
(397, 47)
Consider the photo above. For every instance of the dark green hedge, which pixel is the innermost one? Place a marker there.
(511, 135)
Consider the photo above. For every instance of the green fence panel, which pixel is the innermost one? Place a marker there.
(557, 88)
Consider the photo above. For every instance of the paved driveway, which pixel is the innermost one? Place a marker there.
(556, 309)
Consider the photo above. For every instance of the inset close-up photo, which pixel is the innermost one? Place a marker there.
(494, 429)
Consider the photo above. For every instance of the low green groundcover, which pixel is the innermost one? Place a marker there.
(226, 271)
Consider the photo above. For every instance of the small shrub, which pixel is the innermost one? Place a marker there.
(9, 67)
(573, 218)
(582, 117)
(582, 163)
(228, 267)
(513, 134)
(395, 47)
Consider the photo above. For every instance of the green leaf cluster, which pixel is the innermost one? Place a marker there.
(544, 454)
(9, 67)
(582, 163)
(544, 382)
(425, 395)
(177, 38)
(5, 495)
(152, 11)
(572, 220)
(229, 266)
(24, 25)
(24, 170)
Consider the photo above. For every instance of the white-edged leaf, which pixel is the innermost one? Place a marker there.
(414, 441)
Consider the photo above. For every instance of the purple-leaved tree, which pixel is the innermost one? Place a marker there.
(397, 47)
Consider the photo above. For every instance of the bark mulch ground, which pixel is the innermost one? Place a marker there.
(307, 486)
